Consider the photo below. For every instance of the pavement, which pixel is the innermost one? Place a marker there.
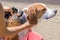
(49, 29)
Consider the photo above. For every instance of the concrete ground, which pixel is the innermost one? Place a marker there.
(49, 29)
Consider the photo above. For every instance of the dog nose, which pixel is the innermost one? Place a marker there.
(55, 11)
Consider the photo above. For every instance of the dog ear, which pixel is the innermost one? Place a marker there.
(2, 20)
(32, 19)
(3, 30)
(32, 16)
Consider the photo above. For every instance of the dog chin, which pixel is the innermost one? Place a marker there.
(46, 17)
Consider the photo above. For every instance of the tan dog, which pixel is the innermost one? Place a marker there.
(37, 10)
(33, 12)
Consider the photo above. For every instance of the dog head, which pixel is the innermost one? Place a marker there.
(9, 12)
(37, 10)
(14, 16)
(11, 16)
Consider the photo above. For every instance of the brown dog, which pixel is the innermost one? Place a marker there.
(33, 12)
(37, 10)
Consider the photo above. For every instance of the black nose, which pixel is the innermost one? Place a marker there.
(55, 11)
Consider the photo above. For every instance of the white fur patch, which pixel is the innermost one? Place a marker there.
(49, 13)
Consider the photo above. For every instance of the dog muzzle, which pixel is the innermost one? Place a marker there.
(49, 13)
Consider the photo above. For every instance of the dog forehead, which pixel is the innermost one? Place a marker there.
(38, 6)
(32, 7)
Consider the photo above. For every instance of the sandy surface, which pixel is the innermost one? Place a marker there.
(49, 29)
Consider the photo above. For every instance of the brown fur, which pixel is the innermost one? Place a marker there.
(34, 12)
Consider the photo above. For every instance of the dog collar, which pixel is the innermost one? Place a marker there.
(20, 12)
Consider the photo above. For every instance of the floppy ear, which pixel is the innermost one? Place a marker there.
(32, 16)
(2, 22)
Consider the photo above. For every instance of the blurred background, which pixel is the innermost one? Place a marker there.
(49, 29)
(31, 1)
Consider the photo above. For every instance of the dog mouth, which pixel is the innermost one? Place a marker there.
(50, 17)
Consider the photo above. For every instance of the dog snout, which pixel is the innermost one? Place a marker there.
(55, 11)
